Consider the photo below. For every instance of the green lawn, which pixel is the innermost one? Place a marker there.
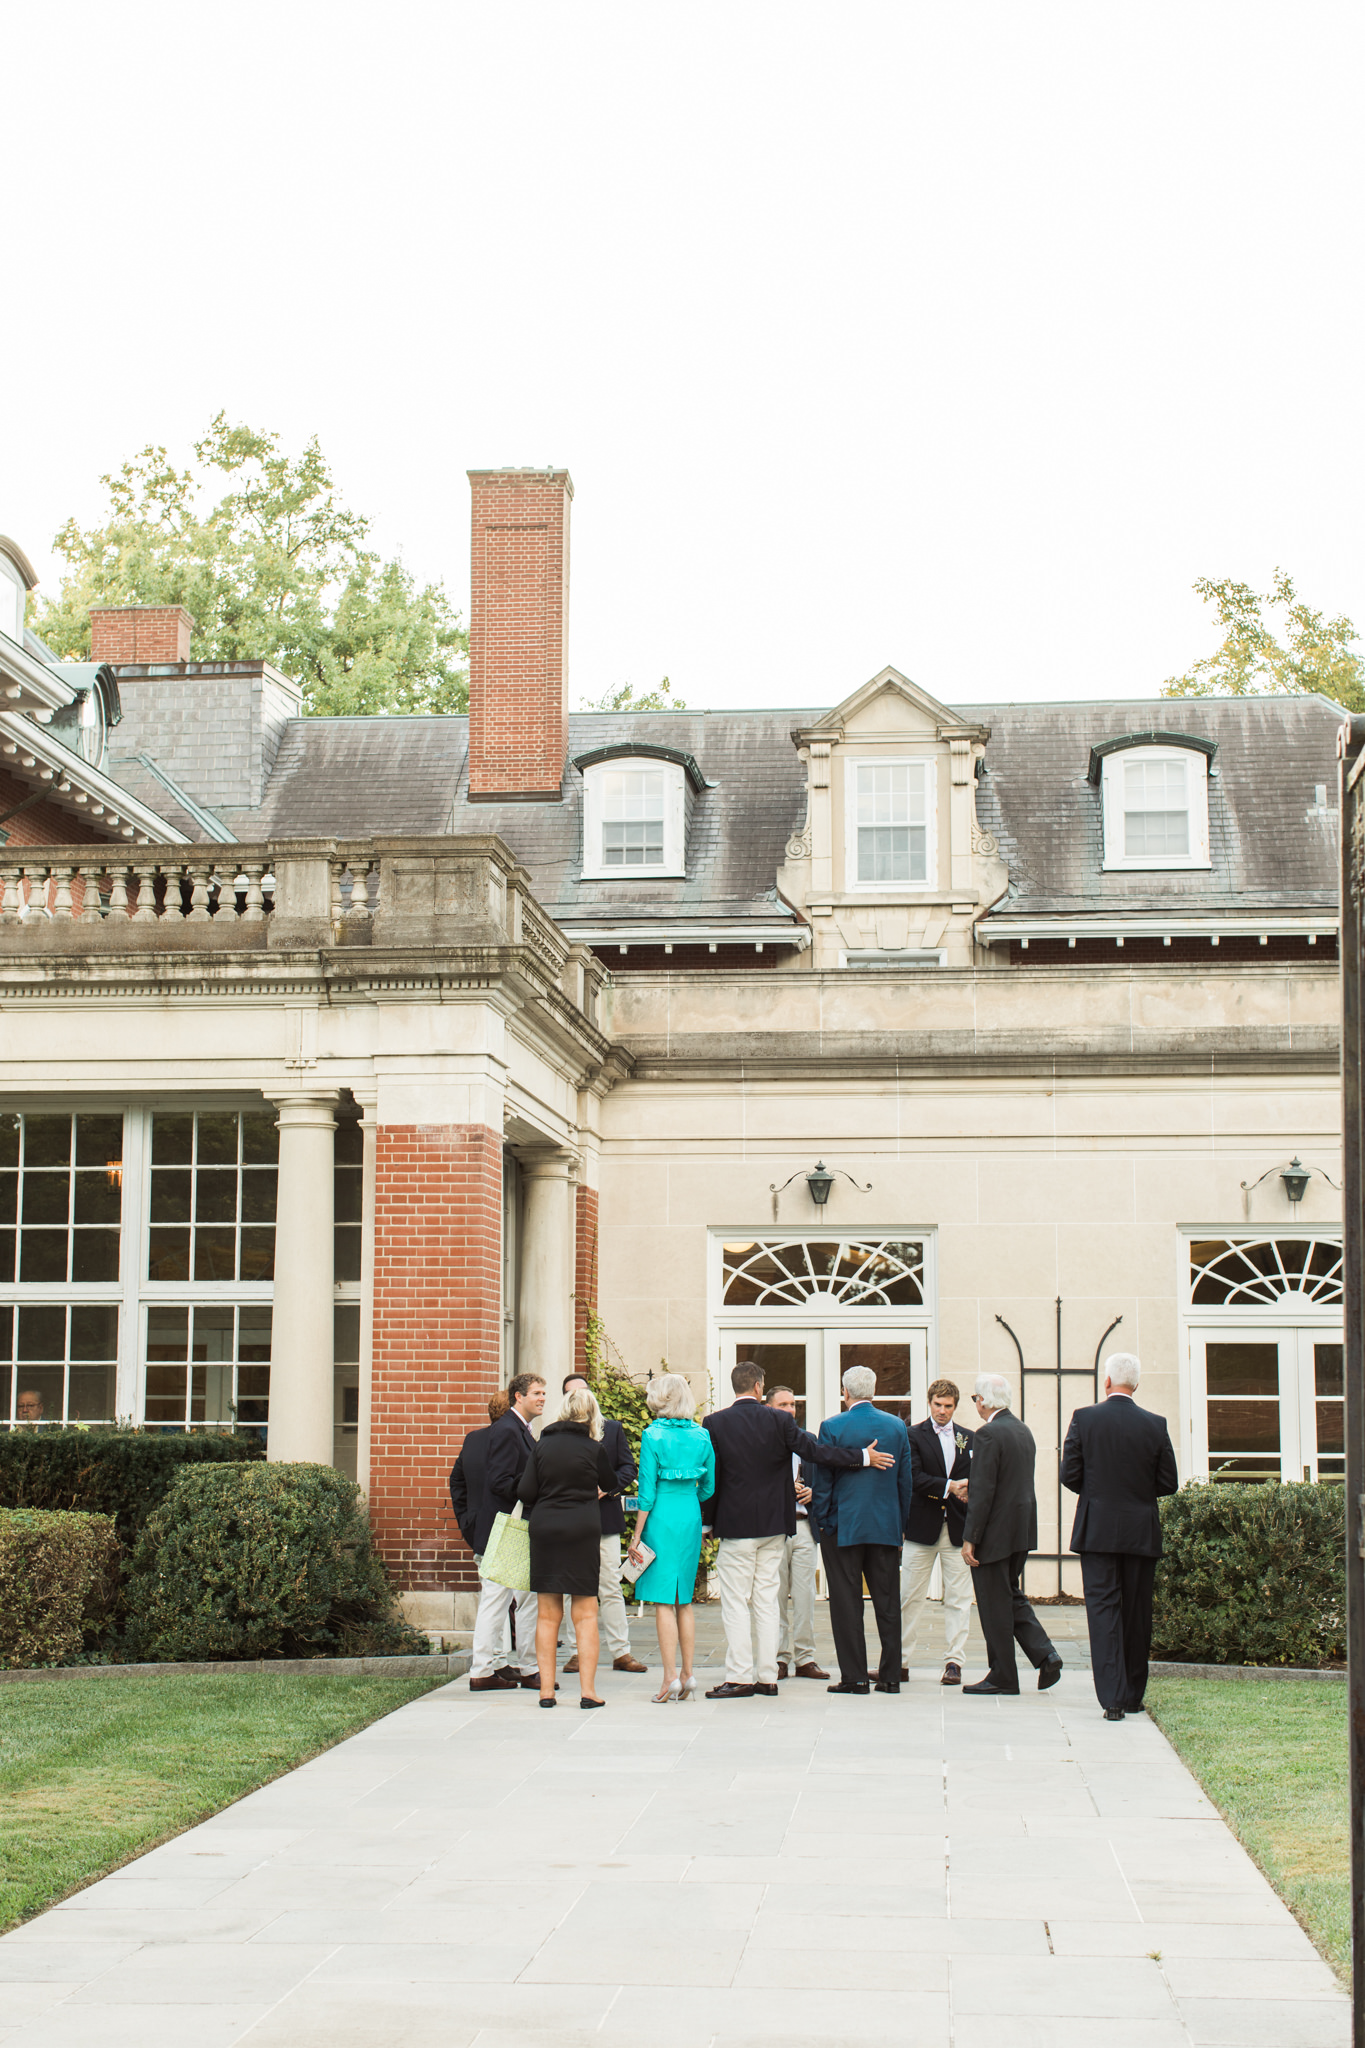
(1271, 1755)
(95, 1770)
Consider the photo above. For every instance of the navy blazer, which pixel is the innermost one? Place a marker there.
(616, 1444)
(467, 1481)
(1119, 1459)
(867, 1506)
(509, 1446)
(933, 1505)
(754, 1493)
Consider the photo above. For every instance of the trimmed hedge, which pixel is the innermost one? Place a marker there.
(261, 1561)
(57, 1579)
(118, 1472)
(1252, 1574)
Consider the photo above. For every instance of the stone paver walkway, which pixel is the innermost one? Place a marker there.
(473, 1873)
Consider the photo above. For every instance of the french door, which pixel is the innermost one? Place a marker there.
(1267, 1402)
(813, 1359)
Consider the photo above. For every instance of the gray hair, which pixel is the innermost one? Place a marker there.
(1124, 1369)
(670, 1395)
(861, 1382)
(993, 1390)
(580, 1405)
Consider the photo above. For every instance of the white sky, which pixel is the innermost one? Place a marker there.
(958, 336)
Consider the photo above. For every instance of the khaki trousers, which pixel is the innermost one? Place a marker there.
(747, 1569)
(796, 1597)
(612, 1621)
(917, 1565)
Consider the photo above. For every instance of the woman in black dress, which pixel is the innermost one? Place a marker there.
(565, 1477)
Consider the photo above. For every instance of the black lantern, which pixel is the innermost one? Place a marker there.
(820, 1182)
(1296, 1177)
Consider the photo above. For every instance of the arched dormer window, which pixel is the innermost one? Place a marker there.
(16, 580)
(636, 802)
(1154, 792)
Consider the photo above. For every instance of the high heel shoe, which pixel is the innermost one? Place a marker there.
(687, 1689)
(670, 1692)
(585, 1703)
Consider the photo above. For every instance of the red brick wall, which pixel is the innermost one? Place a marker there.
(44, 824)
(437, 1336)
(140, 633)
(585, 1269)
(518, 632)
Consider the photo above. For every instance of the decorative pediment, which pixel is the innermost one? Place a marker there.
(891, 706)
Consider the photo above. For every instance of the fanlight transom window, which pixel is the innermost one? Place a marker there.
(1251, 1272)
(849, 1272)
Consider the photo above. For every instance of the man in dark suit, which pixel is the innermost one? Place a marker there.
(611, 1605)
(1119, 1459)
(467, 1474)
(940, 1462)
(1001, 1529)
(753, 1512)
(862, 1516)
(796, 1574)
(509, 1446)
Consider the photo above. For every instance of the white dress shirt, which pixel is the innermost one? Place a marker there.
(946, 1433)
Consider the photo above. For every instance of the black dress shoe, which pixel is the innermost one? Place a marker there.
(849, 1685)
(769, 1692)
(730, 1692)
(887, 1685)
(984, 1686)
(1113, 1713)
(1049, 1672)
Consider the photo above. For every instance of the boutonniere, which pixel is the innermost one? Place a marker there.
(960, 1440)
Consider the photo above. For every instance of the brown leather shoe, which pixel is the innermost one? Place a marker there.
(572, 1664)
(952, 1675)
(495, 1683)
(810, 1671)
(532, 1682)
(781, 1670)
(905, 1674)
(627, 1663)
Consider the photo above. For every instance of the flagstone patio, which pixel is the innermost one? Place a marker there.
(474, 1873)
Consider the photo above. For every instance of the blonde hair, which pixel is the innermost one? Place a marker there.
(671, 1396)
(581, 1406)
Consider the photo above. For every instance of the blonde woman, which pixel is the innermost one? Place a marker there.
(677, 1473)
(566, 1475)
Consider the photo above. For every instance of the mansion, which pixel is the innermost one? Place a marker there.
(348, 1064)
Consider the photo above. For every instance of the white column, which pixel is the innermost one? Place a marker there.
(369, 1105)
(545, 1298)
(301, 1397)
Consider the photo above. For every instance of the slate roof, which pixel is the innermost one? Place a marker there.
(1271, 845)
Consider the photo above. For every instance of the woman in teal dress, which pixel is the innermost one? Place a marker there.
(677, 1473)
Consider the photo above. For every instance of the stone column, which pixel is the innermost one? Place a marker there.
(545, 1299)
(301, 1394)
(369, 1106)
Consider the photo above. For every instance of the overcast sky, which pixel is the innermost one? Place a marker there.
(962, 337)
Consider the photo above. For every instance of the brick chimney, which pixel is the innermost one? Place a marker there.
(518, 634)
(139, 633)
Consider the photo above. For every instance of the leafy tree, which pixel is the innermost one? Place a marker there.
(625, 699)
(1315, 653)
(276, 570)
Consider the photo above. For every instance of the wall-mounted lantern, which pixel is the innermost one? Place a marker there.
(819, 1180)
(1296, 1177)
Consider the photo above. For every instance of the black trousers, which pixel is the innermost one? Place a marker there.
(845, 1570)
(1007, 1619)
(1118, 1611)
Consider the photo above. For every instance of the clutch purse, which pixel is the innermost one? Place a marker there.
(630, 1571)
(507, 1558)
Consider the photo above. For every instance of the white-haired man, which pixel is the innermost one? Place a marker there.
(1119, 1459)
(1001, 1530)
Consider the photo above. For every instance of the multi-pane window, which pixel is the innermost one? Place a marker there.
(348, 1178)
(632, 818)
(61, 1197)
(208, 1365)
(1156, 807)
(1243, 1382)
(1329, 1406)
(59, 1362)
(891, 821)
(212, 1214)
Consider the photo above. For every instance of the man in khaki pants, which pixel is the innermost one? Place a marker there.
(940, 1464)
(796, 1576)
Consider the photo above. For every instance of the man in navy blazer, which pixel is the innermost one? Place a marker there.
(861, 1516)
(1119, 1459)
(940, 1465)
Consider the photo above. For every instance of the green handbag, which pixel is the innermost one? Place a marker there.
(507, 1558)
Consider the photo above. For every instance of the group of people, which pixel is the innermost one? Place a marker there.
(879, 1504)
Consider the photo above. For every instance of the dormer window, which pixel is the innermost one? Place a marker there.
(1156, 806)
(890, 812)
(635, 807)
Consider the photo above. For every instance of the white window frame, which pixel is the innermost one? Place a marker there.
(13, 598)
(853, 883)
(1196, 765)
(673, 864)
